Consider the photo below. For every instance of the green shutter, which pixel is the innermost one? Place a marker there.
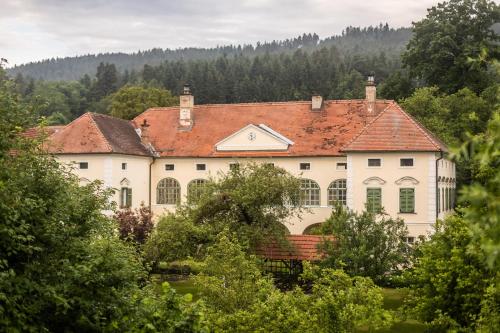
(407, 200)
(374, 200)
(129, 197)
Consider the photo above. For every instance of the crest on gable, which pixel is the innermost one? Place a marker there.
(254, 138)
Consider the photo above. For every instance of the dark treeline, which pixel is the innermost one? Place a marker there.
(353, 40)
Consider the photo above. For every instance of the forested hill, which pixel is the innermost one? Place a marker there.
(352, 41)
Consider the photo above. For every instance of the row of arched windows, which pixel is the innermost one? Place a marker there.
(168, 192)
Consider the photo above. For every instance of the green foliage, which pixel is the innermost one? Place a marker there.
(229, 280)
(365, 244)
(481, 199)
(135, 225)
(240, 299)
(62, 267)
(252, 201)
(453, 33)
(450, 279)
(130, 101)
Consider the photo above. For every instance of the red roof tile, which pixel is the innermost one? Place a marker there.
(394, 130)
(97, 133)
(46, 130)
(301, 247)
(321, 133)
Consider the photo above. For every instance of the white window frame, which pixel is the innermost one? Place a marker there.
(336, 166)
(198, 170)
(169, 164)
(407, 167)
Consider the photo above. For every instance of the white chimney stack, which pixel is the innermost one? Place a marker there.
(371, 94)
(316, 102)
(186, 106)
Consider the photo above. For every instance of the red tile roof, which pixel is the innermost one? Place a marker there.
(394, 130)
(301, 247)
(37, 131)
(338, 128)
(321, 133)
(97, 133)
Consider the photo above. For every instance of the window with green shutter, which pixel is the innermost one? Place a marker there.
(374, 200)
(407, 200)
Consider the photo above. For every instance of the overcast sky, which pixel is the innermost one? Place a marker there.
(38, 29)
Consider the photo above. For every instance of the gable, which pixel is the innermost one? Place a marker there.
(394, 130)
(254, 138)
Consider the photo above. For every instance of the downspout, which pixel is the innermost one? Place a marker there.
(437, 184)
(150, 165)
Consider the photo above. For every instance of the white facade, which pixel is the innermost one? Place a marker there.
(143, 174)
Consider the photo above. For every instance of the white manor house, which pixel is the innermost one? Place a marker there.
(364, 154)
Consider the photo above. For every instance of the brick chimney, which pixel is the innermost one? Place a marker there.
(144, 133)
(186, 108)
(316, 102)
(371, 95)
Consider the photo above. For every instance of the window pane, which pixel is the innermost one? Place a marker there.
(168, 191)
(201, 167)
(374, 162)
(337, 192)
(195, 189)
(341, 166)
(124, 166)
(83, 165)
(169, 167)
(305, 166)
(309, 193)
(406, 162)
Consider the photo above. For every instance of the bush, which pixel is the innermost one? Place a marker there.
(366, 245)
(135, 225)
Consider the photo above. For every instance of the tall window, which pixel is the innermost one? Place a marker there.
(337, 192)
(407, 200)
(195, 189)
(439, 201)
(447, 200)
(168, 192)
(125, 197)
(374, 200)
(309, 193)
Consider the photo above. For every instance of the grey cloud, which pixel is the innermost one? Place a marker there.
(36, 29)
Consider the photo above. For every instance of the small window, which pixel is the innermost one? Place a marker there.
(341, 166)
(406, 162)
(83, 165)
(410, 240)
(201, 167)
(169, 167)
(407, 200)
(374, 162)
(305, 166)
(234, 166)
(374, 200)
(124, 166)
(125, 197)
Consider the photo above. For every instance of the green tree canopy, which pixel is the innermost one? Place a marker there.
(444, 43)
(130, 101)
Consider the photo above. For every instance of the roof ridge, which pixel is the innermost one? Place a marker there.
(91, 114)
(368, 125)
(419, 126)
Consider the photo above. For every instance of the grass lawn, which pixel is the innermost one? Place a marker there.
(393, 299)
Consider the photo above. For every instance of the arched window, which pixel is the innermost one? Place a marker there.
(168, 192)
(337, 192)
(309, 193)
(195, 189)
